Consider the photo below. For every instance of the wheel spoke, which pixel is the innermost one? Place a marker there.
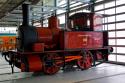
(50, 63)
(85, 62)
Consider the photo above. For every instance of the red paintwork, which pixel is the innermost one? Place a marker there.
(53, 22)
(44, 35)
(75, 40)
(49, 35)
(35, 63)
(47, 38)
(91, 20)
(53, 47)
(86, 63)
(38, 47)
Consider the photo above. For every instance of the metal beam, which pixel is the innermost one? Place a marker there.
(116, 38)
(116, 30)
(10, 7)
(8, 22)
(85, 6)
(11, 19)
(119, 54)
(83, 1)
(17, 11)
(46, 6)
(110, 7)
(121, 21)
(8, 25)
(117, 45)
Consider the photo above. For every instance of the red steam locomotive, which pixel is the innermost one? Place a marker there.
(47, 49)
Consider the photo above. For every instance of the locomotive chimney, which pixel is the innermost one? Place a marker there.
(25, 11)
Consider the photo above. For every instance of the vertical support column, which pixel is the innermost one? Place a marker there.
(25, 8)
(55, 4)
(67, 14)
(41, 19)
(115, 32)
(92, 5)
(104, 18)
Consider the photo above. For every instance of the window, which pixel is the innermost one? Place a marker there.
(120, 33)
(120, 25)
(61, 19)
(115, 23)
(120, 41)
(112, 57)
(110, 4)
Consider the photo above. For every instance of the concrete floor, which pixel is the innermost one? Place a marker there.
(105, 73)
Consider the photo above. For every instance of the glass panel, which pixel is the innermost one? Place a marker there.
(100, 12)
(48, 2)
(120, 33)
(120, 17)
(37, 24)
(75, 3)
(120, 25)
(111, 19)
(120, 9)
(111, 26)
(60, 11)
(112, 57)
(45, 23)
(99, 7)
(110, 11)
(61, 19)
(120, 41)
(111, 34)
(118, 2)
(121, 58)
(120, 49)
(110, 4)
(61, 2)
(111, 41)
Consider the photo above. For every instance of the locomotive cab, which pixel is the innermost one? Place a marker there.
(85, 22)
